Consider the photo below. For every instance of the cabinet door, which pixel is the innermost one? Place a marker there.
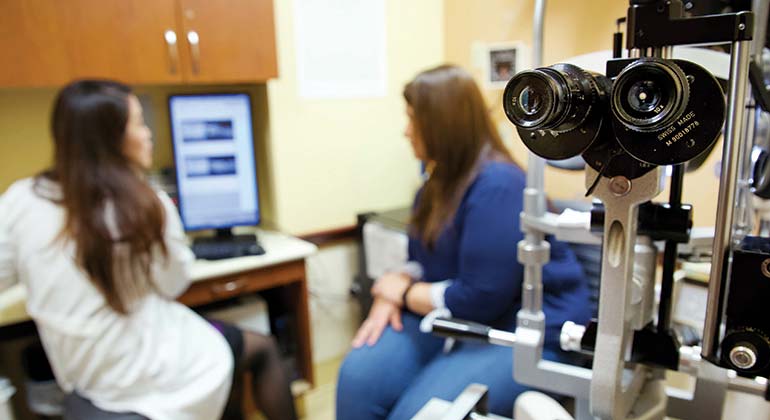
(122, 39)
(228, 41)
(31, 43)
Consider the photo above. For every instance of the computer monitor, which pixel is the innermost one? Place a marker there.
(214, 158)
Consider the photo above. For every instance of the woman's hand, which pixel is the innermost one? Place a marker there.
(391, 287)
(383, 312)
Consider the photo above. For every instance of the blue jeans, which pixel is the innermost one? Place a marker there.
(397, 376)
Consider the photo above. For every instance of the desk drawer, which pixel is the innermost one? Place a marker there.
(233, 285)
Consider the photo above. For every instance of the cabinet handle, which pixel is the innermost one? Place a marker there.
(230, 287)
(173, 52)
(195, 52)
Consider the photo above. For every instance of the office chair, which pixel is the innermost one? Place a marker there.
(79, 408)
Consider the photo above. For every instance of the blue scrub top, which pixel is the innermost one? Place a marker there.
(477, 250)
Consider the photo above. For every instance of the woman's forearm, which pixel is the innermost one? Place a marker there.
(418, 300)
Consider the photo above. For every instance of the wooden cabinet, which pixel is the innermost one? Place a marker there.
(50, 42)
(123, 40)
(30, 42)
(235, 40)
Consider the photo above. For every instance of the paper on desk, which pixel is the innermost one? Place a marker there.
(384, 249)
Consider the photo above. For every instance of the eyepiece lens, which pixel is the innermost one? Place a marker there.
(557, 110)
(644, 96)
(530, 101)
(556, 98)
(649, 94)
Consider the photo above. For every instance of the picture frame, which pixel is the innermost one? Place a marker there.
(502, 61)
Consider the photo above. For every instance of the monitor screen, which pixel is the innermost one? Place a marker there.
(214, 158)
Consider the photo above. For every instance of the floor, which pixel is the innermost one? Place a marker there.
(318, 403)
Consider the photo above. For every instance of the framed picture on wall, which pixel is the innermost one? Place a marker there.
(502, 61)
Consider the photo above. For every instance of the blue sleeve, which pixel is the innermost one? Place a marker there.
(563, 272)
(489, 275)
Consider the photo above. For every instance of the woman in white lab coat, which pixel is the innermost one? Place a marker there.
(103, 256)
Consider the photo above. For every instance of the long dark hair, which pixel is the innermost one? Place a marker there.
(113, 216)
(453, 122)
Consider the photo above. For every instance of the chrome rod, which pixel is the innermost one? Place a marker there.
(743, 218)
(534, 196)
(761, 9)
(739, 62)
(538, 25)
(535, 164)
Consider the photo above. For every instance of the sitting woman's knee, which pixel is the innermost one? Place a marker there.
(360, 394)
(260, 351)
(350, 372)
(356, 372)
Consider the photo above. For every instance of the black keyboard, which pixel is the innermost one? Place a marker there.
(225, 249)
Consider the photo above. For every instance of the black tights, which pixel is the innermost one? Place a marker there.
(270, 383)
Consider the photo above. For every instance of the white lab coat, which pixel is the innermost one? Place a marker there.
(161, 360)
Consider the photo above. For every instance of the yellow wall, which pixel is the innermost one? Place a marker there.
(25, 148)
(572, 27)
(335, 158)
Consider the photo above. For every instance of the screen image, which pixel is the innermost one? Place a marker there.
(207, 130)
(210, 166)
(214, 158)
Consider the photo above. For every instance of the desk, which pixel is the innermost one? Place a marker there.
(282, 265)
